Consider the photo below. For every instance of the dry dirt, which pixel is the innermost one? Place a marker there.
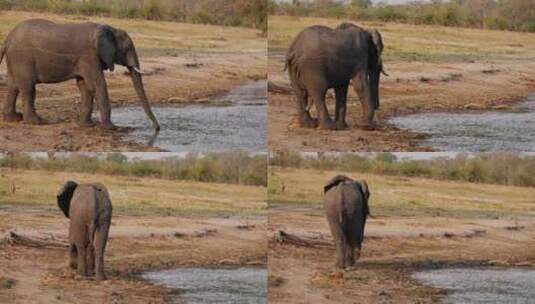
(393, 248)
(136, 243)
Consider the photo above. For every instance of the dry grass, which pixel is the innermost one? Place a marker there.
(420, 42)
(135, 195)
(401, 196)
(154, 38)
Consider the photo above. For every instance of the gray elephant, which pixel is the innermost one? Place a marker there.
(346, 207)
(89, 208)
(321, 58)
(40, 51)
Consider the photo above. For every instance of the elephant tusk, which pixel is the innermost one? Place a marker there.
(136, 69)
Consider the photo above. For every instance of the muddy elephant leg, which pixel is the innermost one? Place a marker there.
(341, 102)
(90, 259)
(73, 256)
(326, 123)
(87, 96)
(101, 238)
(28, 103)
(303, 115)
(82, 258)
(101, 94)
(10, 112)
(362, 88)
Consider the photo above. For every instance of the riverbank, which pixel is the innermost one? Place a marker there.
(416, 224)
(157, 224)
(431, 68)
(181, 63)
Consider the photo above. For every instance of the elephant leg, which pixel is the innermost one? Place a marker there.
(73, 255)
(10, 112)
(362, 88)
(326, 123)
(350, 253)
(101, 238)
(341, 102)
(339, 241)
(303, 114)
(101, 94)
(82, 258)
(28, 103)
(87, 96)
(90, 259)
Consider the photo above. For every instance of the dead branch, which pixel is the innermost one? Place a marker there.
(286, 238)
(14, 239)
(280, 89)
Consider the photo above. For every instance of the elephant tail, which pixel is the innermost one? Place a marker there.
(92, 231)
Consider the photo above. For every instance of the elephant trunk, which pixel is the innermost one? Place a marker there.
(374, 78)
(138, 85)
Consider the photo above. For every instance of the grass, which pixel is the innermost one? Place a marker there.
(402, 196)
(158, 38)
(427, 43)
(132, 195)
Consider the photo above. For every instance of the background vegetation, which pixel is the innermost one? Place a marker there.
(230, 168)
(493, 168)
(248, 13)
(515, 15)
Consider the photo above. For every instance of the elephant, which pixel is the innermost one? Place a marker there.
(321, 58)
(346, 208)
(41, 51)
(88, 206)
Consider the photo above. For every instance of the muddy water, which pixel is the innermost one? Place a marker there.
(236, 121)
(214, 285)
(482, 285)
(487, 131)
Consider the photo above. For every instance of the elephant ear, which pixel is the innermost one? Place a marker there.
(106, 47)
(377, 51)
(65, 195)
(335, 181)
(366, 192)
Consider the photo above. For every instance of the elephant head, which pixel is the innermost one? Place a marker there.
(362, 185)
(115, 46)
(333, 182)
(65, 195)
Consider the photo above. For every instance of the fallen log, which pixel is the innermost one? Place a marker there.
(287, 238)
(280, 89)
(14, 239)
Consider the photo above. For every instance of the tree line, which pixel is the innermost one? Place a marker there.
(494, 168)
(513, 15)
(229, 168)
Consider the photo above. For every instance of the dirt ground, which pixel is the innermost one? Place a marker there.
(410, 230)
(156, 224)
(432, 69)
(181, 63)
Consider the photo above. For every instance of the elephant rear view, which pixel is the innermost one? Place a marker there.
(89, 208)
(346, 208)
(41, 51)
(321, 58)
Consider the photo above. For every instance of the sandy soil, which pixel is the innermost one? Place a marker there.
(174, 72)
(136, 243)
(393, 248)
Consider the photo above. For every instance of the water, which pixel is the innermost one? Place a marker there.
(245, 285)
(482, 285)
(487, 131)
(236, 121)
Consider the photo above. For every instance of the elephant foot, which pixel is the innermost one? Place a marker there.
(368, 126)
(86, 123)
(341, 125)
(12, 117)
(34, 120)
(306, 121)
(107, 126)
(328, 125)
